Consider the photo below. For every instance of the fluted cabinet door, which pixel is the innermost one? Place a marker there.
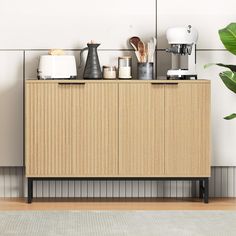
(141, 129)
(95, 129)
(187, 129)
(48, 129)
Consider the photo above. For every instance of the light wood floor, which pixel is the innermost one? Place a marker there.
(118, 204)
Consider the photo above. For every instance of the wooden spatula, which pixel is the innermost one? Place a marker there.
(142, 51)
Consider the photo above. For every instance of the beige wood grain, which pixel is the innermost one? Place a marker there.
(15, 204)
(95, 129)
(141, 129)
(117, 128)
(187, 130)
(71, 130)
(48, 129)
(133, 81)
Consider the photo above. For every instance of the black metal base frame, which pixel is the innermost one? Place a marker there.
(203, 183)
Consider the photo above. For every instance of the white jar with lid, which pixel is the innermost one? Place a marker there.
(109, 72)
(125, 67)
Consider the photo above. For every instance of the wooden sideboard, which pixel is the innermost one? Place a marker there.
(118, 129)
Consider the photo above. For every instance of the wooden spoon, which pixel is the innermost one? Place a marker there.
(134, 42)
(142, 51)
(134, 47)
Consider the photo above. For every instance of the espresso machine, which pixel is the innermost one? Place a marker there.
(182, 42)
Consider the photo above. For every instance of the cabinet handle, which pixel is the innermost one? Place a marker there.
(174, 83)
(71, 83)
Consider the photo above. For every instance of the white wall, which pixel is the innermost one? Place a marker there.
(208, 16)
(11, 108)
(29, 27)
(72, 23)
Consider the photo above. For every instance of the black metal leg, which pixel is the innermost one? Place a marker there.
(201, 189)
(193, 189)
(30, 190)
(206, 190)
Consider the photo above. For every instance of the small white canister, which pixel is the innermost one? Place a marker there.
(125, 67)
(109, 72)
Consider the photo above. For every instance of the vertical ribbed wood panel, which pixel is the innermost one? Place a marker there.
(95, 129)
(117, 129)
(141, 129)
(13, 184)
(48, 129)
(187, 130)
